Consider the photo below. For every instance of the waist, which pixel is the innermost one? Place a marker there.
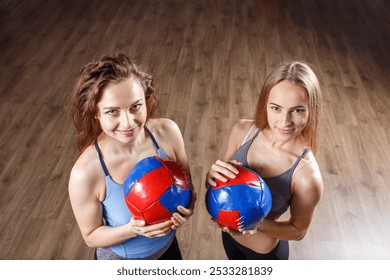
(258, 242)
(141, 247)
(109, 253)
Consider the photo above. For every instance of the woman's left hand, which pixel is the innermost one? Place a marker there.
(184, 214)
(249, 232)
(178, 219)
(234, 232)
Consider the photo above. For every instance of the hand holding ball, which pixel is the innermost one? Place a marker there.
(154, 188)
(240, 203)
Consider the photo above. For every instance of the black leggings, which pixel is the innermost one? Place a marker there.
(236, 251)
(173, 252)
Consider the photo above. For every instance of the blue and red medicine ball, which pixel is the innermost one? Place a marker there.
(240, 203)
(154, 188)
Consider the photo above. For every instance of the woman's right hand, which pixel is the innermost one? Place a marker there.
(222, 171)
(139, 227)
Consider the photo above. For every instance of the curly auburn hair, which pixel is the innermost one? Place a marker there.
(93, 79)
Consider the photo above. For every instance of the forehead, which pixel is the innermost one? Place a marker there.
(288, 94)
(126, 91)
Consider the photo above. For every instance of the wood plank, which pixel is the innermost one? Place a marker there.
(209, 60)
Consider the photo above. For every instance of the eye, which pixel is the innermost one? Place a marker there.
(275, 108)
(299, 110)
(111, 112)
(136, 107)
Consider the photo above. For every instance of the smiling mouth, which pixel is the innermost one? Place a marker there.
(285, 131)
(127, 132)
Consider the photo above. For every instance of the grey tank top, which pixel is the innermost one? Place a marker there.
(280, 186)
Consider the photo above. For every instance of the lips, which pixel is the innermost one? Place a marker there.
(285, 131)
(127, 132)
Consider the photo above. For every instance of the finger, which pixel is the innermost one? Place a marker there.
(249, 232)
(157, 227)
(224, 168)
(138, 223)
(160, 229)
(211, 182)
(158, 233)
(228, 165)
(178, 220)
(186, 212)
(181, 216)
(236, 162)
(216, 224)
(222, 174)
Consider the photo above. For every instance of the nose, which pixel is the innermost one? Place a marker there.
(127, 120)
(286, 119)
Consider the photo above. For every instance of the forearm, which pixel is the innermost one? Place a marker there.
(284, 230)
(105, 236)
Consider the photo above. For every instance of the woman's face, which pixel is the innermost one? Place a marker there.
(287, 110)
(122, 110)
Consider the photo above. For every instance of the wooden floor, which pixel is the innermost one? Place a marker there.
(209, 59)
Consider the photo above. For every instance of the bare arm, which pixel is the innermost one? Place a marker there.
(307, 192)
(85, 199)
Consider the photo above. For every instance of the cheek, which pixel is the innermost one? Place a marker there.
(303, 120)
(269, 117)
(272, 119)
(107, 123)
(141, 116)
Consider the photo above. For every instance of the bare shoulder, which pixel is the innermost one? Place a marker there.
(85, 172)
(168, 135)
(243, 125)
(307, 176)
(162, 126)
(236, 136)
(240, 129)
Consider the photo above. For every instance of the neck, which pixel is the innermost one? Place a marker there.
(287, 145)
(113, 146)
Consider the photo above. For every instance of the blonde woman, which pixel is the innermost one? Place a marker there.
(280, 144)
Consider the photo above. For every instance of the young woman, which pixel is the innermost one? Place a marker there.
(112, 108)
(280, 145)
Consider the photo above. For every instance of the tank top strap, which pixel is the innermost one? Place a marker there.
(304, 153)
(249, 133)
(101, 159)
(160, 152)
(250, 141)
(152, 137)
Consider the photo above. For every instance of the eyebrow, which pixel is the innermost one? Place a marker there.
(296, 107)
(113, 107)
(110, 108)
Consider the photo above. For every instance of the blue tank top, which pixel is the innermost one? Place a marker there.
(116, 213)
(280, 186)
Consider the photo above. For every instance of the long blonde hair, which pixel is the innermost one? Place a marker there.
(298, 73)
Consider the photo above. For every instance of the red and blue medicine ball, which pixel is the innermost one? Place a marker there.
(240, 203)
(154, 188)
